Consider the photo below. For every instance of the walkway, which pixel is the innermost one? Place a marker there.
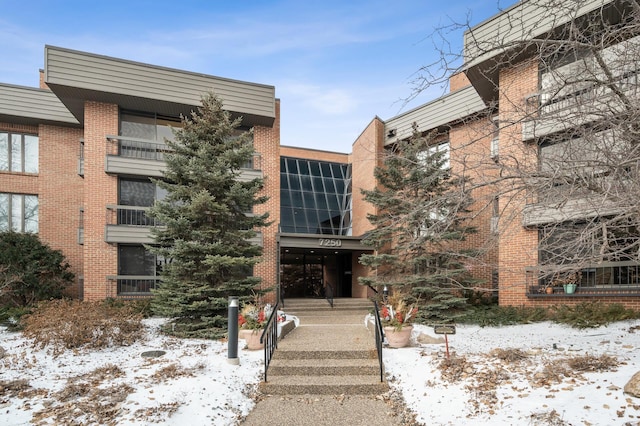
(325, 372)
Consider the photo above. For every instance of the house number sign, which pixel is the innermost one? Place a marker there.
(330, 242)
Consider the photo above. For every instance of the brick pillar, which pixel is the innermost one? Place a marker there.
(61, 194)
(267, 143)
(100, 258)
(518, 245)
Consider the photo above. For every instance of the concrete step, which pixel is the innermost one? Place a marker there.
(324, 385)
(320, 354)
(324, 367)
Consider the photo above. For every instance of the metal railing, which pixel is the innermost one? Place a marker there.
(124, 146)
(620, 278)
(269, 338)
(379, 335)
(130, 215)
(328, 294)
(134, 285)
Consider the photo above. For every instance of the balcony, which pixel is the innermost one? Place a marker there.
(133, 286)
(134, 156)
(128, 225)
(132, 225)
(144, 157)
(606, 279)
(578, 93)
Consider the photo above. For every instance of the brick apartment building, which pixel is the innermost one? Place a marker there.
(77, 153)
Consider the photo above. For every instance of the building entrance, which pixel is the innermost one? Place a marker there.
(315, 273)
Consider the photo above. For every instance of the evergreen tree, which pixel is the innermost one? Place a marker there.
(206, 223)
(418, 227)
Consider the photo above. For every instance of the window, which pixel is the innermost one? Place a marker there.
(434, 149)
(148, 126)
(18, 152)
(18, 212)
(495, 139)
(142, 266)
(315, 197)
(137, 194)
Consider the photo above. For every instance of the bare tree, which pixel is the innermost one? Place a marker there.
(559, 79)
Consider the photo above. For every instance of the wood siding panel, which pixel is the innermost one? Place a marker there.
(32, 106)
(447, 109)
(70, 68)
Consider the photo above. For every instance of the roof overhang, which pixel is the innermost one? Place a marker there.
(515, 34)
(77, 77)
(32, 106)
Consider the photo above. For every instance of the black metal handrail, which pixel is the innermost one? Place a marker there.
(269, 338)
(328, 293)
(379, 334)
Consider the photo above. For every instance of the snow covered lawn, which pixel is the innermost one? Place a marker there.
(516, 375)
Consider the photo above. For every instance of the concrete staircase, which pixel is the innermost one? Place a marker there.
(331, 352)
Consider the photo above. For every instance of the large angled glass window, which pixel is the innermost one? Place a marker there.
(315, 197)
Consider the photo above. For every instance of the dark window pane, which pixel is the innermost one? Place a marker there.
(31, 213)
(135, 260)
(304, 167)
(294, 182)
(296, 198)
(305, 182)
(136, 192)
(309, 200)
(326, 169)
(318, 186)
(314, 168)
(285, 199)
(292, 166)
(329, 186)
(337, 171)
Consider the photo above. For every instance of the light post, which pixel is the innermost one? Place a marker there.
(232, 350)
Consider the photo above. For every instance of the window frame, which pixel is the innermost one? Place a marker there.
(9, 154)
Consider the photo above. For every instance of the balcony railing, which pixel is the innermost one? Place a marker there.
(130, 216)
(134, 285)
(604, 279)
(144, 149)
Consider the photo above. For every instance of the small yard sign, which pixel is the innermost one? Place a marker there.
(444, 329)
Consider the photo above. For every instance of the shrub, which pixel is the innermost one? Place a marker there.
(30, 271)
(493, 315)
(592, 314)
(67, 324)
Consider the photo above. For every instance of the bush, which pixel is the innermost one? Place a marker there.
(591, 314)
(30, 271)
(493, 315)
(10, 316)
(66, 324)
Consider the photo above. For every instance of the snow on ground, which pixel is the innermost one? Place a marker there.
(494, 391)
(194, 384)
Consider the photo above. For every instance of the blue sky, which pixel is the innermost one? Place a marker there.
(335, 64)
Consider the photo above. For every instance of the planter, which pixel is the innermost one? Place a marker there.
(398, 338)
(570, 288)
(253, 340)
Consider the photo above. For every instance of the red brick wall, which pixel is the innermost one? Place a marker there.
(267, 142)
(367, 153)
(470, 145)
(58, 187)
(61, 192)
(100, 258)
(518, 245)
(458, 81)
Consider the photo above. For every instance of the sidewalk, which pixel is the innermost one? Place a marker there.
(321, 330)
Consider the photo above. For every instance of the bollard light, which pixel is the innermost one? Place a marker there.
(232, 350)
(385, 293)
